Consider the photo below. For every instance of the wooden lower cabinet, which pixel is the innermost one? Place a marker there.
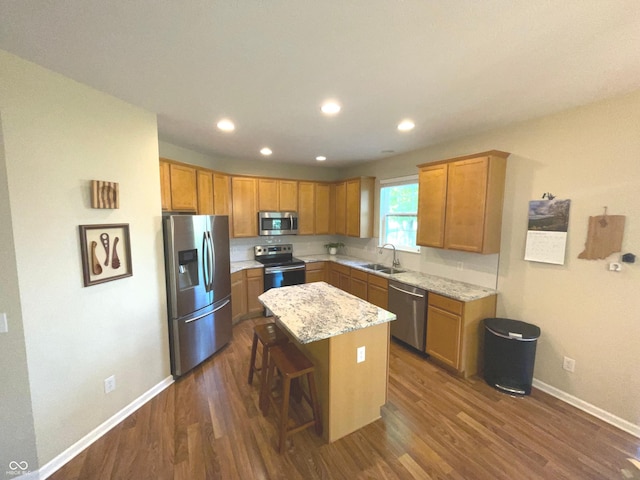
(340, 276)
(454, 331)
(316, 272)
(378, 290)
(246, 286)
(358, 284)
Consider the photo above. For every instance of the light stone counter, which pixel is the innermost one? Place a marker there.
(244, 265)
(457, 290)
(316, 311)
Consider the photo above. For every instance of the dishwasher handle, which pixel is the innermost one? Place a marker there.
(407, 292)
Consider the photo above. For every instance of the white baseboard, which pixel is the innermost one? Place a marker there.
(54, 465)
(587, 407)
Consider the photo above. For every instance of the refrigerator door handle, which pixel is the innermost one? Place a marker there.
(212, 267)
(205, 261)
(226, 302)
(208, 313)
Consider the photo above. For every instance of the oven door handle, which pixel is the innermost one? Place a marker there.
(283, 269)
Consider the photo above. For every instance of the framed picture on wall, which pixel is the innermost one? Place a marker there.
(106, 253)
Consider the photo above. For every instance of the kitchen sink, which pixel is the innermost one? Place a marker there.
(376, 267)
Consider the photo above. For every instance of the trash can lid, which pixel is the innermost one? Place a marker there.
(515, 329)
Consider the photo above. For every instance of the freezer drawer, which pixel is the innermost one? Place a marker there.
(195, 339)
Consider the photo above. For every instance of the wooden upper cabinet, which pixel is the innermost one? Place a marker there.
(165, 185)
(473, 206)
(341, 208)
(183, 187)
(244, 206)
(306, 208)
(288, 195)
(359, 207)
(432, 203)
(277, 195)
(221, 194)
(322, 209)
(205, 192)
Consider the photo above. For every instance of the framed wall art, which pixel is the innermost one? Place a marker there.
(106, 253)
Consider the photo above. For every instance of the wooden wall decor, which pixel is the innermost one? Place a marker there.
(106, 253)
(604, 236)
(105, 194)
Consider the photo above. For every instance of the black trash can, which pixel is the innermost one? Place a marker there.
(509, 354)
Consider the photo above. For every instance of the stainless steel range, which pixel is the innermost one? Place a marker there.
(281, 268)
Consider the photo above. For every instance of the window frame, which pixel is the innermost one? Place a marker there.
(395, 182)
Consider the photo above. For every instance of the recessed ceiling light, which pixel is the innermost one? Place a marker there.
(406, 125)
(321, 158)
(330, 107)
(226, 125)
(266, 151)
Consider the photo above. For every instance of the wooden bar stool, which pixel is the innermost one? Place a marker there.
(269, 335)
(292, 365)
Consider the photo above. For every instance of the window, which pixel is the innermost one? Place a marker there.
(399, 212)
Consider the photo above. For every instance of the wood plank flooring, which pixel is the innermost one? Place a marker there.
(434, 426)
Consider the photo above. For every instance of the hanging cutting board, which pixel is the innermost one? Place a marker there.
(604, 236)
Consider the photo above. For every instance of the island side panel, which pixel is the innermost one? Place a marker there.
(357, 390)
(318, 353)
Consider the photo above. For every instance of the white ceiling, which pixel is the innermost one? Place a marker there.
(454, 67)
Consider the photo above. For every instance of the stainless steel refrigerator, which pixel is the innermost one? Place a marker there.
(198, 287)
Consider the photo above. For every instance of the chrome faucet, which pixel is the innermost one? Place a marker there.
(396, 262)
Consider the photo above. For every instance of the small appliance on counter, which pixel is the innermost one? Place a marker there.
(198, 287)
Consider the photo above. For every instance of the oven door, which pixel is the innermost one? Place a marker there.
(283, 276)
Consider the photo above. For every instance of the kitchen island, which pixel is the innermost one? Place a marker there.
(330, 326)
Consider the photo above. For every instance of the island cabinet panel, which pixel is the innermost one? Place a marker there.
(454, 331)
(473, 205)
(205, 192)
(341, 208)
(316, 272)
(322, 209)
(183, 188)
(359, 207)
(244, 206)
(306, 208)
(351, 394)
(359, 283)
(222, 194)
(255, 286)
(165, 185)
(378, 291)
(238, 295)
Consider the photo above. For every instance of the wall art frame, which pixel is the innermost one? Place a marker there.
(106, 252)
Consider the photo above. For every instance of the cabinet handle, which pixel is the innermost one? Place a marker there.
(408, 293)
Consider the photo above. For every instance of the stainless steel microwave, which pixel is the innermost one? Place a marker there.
(277, 223)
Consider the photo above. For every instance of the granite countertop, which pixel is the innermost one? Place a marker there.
(465, 292)
(315, 311)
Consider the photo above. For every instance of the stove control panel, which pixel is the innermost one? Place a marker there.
(282, 249)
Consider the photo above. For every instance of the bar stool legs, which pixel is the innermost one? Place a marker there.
(268, 334)
(292, 365)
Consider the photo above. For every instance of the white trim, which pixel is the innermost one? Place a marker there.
(597, 412)
(399, 180)
(63, 458)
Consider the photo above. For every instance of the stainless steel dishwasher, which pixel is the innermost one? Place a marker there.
(409, 303)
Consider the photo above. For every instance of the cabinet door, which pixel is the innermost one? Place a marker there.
(316, 272)
(255, 287)
(288, 195)
(341, 208)
(378, 291)
(358, 284)
(466, 202)
(165, 185)
(221, 194)
(238, 295)
(205, 192)
(432, 200)
(183, 188)
(306, 208)
(334, 278)
(353, 208)
(244, 206)
(443, 336)
(322, 208)
(268, 194)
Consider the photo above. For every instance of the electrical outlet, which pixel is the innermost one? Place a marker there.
(569, 364)
(110, 384)
(460, 266)
(615, 267)
(4, 327)
(360, 355)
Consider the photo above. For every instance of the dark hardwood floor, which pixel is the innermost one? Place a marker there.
(434, 425)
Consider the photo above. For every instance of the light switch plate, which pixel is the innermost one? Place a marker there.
(4, 326)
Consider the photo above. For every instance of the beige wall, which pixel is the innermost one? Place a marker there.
(590, 155)
(58, 136)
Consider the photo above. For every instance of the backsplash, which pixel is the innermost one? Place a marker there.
(481, 270)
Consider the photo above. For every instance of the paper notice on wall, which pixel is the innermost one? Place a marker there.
(547, 231)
